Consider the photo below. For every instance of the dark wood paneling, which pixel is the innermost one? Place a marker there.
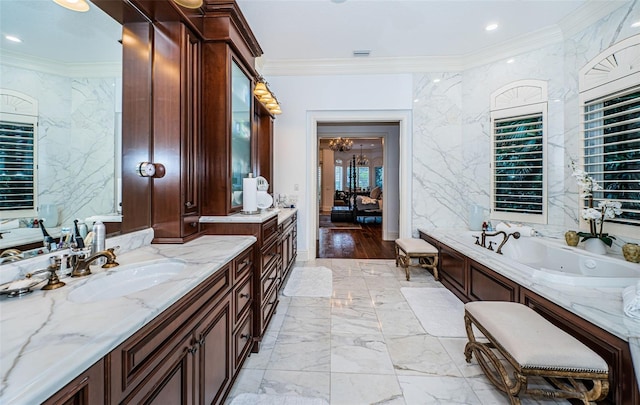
(487, 285)
(623, 388)
(453, 269)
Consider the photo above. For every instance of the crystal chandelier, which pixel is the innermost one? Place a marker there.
(362, 160)
(340, 144)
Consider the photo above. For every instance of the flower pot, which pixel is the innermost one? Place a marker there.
(595, 245)
(572, 238)
(631, 252)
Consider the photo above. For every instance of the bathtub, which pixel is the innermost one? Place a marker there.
(551, 261)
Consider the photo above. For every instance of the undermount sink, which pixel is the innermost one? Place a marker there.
(125, 280)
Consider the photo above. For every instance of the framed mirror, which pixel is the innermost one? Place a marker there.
(71, 64)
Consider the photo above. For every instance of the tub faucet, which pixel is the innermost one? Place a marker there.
(81, 267)
(505, 238)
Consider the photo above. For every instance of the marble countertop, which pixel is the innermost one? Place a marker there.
(47, 340)
(262, 216)
(601, 306)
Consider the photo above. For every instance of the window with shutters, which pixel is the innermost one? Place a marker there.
(610, 124)
(18, 155)
(518, 164)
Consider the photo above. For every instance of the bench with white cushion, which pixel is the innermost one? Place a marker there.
(411, 248)
(533, 347)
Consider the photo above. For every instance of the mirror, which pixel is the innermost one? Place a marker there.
(71, 63)
(240, 132)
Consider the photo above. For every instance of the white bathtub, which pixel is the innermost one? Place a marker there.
(552, 261)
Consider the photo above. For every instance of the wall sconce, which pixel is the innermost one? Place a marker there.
(189, 3)
(75, 5)
(266, 97)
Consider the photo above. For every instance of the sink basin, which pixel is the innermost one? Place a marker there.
(126, 280)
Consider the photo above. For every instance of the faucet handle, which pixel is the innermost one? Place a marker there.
(54, 282)
(490, 247)
(477, 240)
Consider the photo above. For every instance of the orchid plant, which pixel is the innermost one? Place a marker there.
(595, 216)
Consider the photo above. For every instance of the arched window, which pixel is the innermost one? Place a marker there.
(518, 139)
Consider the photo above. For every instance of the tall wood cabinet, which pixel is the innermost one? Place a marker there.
(176, 135)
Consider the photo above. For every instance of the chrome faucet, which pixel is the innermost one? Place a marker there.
(81, 267)
(516, 235)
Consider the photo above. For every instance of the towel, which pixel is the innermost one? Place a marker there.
(510, 228)
(631, 300)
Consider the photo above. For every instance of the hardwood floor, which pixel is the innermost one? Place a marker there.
(365, 243)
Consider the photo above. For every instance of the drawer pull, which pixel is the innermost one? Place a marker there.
(247, 295)
(188, 204)
(201, 341)
(192, 349)
(245, 336)
(193, 224)
(272, 278)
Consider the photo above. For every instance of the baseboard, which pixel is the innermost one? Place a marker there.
(391, 236)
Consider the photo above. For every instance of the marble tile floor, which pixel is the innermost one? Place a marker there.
(364, 345)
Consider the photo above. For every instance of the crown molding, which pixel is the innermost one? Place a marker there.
(55, 67)
(585, 16)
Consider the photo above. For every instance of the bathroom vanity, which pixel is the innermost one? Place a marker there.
(181, 341)
(591, 314)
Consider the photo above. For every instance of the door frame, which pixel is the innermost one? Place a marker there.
(403, 118)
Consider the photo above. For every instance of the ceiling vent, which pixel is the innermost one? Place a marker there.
(361, 52)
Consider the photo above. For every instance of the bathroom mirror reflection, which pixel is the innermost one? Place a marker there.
(71, 64)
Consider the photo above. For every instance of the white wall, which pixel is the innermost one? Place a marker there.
(303, 95)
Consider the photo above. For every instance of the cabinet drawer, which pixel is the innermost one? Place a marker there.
(268, 308)
(269, 230)
(268, 281)
(242, 298)
(269, 256)
(242, 342)
(243, 263)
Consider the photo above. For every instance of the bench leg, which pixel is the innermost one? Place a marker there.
(493, 369)
(431, 262)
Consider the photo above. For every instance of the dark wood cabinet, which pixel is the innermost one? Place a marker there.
(176, 136)
(189, 354)
(453, 271)
(288, 246)
(267, 274)
(486, 285)
(86, 389)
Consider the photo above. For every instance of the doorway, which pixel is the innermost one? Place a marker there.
(358, 175)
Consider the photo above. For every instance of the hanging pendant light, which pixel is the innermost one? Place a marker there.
(362, 160)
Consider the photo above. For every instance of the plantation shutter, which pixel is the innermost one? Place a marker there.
(518, 164)
(17, 166)
(612, 150)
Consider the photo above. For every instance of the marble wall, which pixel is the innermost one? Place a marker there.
(452, 129)
(76, 129)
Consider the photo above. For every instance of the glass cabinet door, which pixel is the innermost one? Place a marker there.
(240, 132)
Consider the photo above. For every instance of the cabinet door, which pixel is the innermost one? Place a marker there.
(453, 270)
(241, 99)
(172, 381)
(214, 353)
(87, 389)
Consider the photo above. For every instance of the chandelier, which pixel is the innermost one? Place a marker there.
(340, 144)
(362, 160)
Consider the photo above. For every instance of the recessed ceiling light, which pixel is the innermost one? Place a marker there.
(511, 60)
(636, 24)
(436, 80)
(13, 38)
(491, 27)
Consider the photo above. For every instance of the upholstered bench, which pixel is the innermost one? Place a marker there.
(410, 248)
(534, 347)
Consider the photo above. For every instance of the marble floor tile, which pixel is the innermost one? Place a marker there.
(365, 345)
(354, 389)
(360, 354)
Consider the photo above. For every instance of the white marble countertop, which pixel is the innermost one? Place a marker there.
(262, 216)
(600, 306)
(47, 340)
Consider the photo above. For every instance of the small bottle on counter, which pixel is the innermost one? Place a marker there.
(99, 241)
